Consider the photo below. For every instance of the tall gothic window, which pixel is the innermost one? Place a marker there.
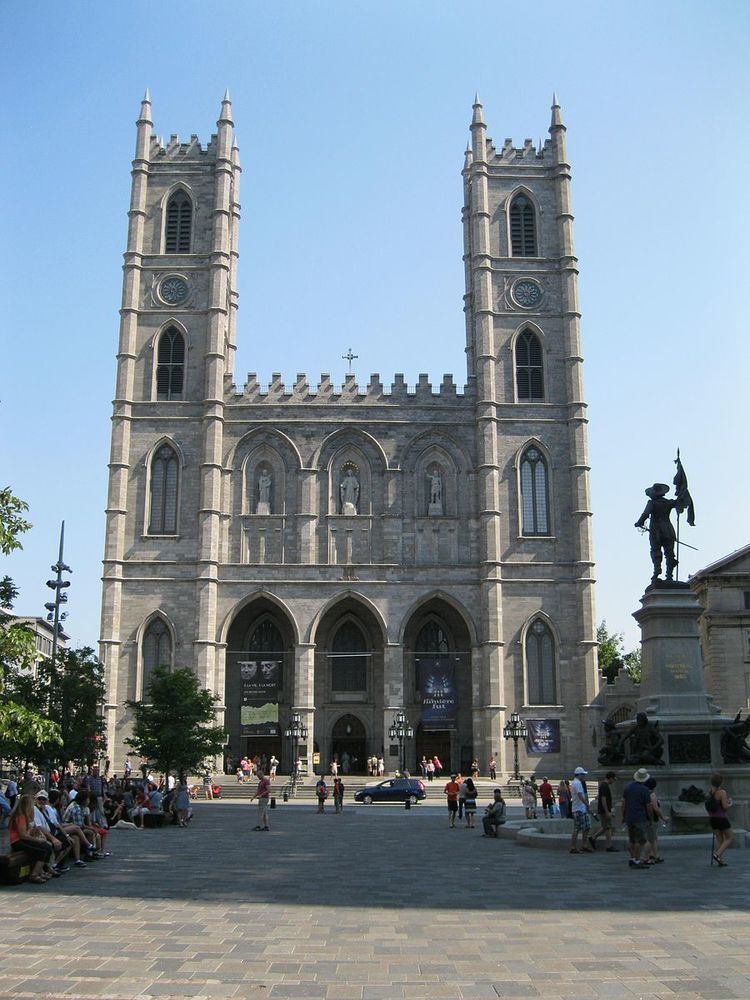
(529, 367)
(432, 638)
(540, 665)
(170, 365)
(164, 483)
(179, 223)
(534, 493)
(156, 651)
(522, 227)
(349, 656)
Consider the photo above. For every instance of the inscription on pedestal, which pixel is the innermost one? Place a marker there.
(689, 748)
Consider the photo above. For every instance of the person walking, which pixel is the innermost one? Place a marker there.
(461, 794)
(274, 764)
(321, 791)
(338, 795)
(423, 768)
(438, 766)
(547, 795)
(720, 804)
(635, 809)
(208, 792)
(182, 803)
(470, 803)
(334, 768)
(261, 794)
(451, 794)
(493, 768)
(381, 766)
(581, 811)
(604, 811)
(430, 768)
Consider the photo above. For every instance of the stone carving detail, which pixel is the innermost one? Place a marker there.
(644, 742)
(349, 490)
(611, 752)
(265, 481)
(734, 745)
(435, 506)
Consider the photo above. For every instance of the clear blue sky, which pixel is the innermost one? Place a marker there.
(352, 119)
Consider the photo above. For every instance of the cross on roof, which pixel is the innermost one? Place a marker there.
(349, 357)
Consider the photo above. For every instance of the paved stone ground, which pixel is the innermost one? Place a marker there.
(377, 903)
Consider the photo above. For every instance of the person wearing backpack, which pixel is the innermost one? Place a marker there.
(718, 804)
(321, 791)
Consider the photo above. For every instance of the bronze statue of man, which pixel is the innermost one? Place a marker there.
(661, 534)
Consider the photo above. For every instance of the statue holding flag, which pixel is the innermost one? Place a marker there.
(661, 532)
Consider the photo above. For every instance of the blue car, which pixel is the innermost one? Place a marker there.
(392, 790)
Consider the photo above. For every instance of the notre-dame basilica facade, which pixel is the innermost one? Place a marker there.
(346, 552)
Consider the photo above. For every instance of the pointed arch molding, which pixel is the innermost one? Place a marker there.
(350, 714)
(536, 443)
(258, 595)
(342, 596)
(157, 615)
(437, 596)
(153, 341)
(522, 189)
(148, 462)
(523, 635)
(357, 438)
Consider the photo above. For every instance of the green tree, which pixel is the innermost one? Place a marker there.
(633, 665)
(20, 725)
(173, 728)
(611, 652)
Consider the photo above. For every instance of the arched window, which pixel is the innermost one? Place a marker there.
(432, 638)
(534, 493)
(179, 223)
(522, 227)
(349, 656)
(540, 665)
(529, 369)
(170, 365)
(156, 651)
(164, 482)
(265, 637)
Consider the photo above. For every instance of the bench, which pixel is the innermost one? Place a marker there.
(14, 868)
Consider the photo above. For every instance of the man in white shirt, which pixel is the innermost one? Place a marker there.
(41, 822)
(579, 800)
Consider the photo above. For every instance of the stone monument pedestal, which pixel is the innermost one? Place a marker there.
(673, 687)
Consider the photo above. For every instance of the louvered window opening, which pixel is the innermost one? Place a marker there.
(529, 367)
(164, 476)
(349, 657)
(522, 228)
(540, 665)
(179, 224)
(170, 365)
(157, 652)
(534, 493)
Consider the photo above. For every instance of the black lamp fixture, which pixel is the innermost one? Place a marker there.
(401, 730)
(515, 729)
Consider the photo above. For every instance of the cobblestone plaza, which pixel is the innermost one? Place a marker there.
(376, 903)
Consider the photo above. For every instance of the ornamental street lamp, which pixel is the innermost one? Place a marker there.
(515, 729)
(53, 607)
(401, 730)
(296, 730)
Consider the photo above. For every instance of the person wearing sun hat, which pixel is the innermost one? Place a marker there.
(579, 800)
(636, 811)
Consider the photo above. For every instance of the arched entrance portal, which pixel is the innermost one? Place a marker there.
(259, 682)
(349, 745)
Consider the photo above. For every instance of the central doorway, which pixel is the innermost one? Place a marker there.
(349, 745)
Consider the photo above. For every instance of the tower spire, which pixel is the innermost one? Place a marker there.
(478, 132)
(145, 116)
(557, 121)
(477, 117)
(225, 116)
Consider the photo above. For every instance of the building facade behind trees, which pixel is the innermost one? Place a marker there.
(344, 552)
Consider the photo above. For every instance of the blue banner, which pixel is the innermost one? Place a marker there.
(544, 735)
(437, 691)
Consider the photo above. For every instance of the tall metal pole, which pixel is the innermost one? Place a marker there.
(515, 757)
(58, 591)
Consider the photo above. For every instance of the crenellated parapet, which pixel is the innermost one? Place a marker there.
(175, 150)
(350, 392)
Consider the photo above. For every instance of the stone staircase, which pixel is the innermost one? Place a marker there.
(231, 789)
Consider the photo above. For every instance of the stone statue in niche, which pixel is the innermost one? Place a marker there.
(349, 491)
(435, 506)
(264, 491)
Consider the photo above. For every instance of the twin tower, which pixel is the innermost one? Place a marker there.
(342, 553)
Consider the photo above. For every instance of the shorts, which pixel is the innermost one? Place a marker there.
(719, 823)
(581, 821)
(452, 806)
(637, 833)
(652, 830)
(605, 822)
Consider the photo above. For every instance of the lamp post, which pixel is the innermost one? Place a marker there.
(59, 586)
(515, 729)
(296, 730)
(401, 730)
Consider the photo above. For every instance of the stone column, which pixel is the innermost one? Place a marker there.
(304, 696)
(393, 700)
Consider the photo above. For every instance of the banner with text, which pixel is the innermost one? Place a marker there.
(437, 691)
(544, 735)
(260, 683)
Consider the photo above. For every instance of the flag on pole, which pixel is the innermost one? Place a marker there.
(684, 500)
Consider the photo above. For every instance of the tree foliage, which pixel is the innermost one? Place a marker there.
(21, 725)
(612, 655)
(173, 728)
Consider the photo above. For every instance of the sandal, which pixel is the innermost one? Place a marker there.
(719, 862)
(37, 880)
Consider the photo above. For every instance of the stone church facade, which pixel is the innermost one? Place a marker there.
(373, 548)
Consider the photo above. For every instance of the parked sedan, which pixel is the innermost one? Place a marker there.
(392, 790)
